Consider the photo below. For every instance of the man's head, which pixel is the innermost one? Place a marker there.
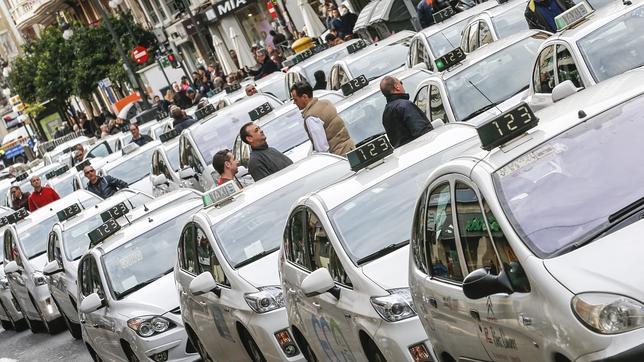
(16, 191)
(272, 32)
(302, 94)
(391, 85)
(177, 113)
(90, 173)
(35, 183)
(261, 55)
(250, 90)
(176, 87)
(157, 99)
(190, 93)
(224, 163)
(251, 134)
(134, 129)
(80, 151)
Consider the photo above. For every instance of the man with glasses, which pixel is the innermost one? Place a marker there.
(104, 186)
(402, 119)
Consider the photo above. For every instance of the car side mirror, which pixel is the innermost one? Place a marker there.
(320, 282)
(563, 90)
(12, 267)
(187, 173)
(159, 180)
(91, 303)
(421, 66)
(204, 283)
(437, 123)
(480, 284)
(52, 268)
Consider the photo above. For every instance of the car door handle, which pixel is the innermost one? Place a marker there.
(316, 305)
(433, 303)
(475, 314)
(292, 291)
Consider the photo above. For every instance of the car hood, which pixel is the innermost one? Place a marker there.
(156, 298)
(262, 272)
(143, 185)
(504, 106)
(389, 271)
(299, 152)
(611, 264)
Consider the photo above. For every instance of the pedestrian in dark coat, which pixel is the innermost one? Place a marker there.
(264, 161)
(425, 12)
(102, 186)
(402, 119)
(181, 120)
(267, 66)
(540, 14)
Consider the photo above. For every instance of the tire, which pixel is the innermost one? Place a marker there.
(20, 159)
(73, 328)
(53, 327)
(305, 347)
(6, 325)
(129, 353)
(251, 347)
(93, 354)
(200, 348)
(20, 325)
(373, 352)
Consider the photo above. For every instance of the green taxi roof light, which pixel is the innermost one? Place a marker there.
(440, 65)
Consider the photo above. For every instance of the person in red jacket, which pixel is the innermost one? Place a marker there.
(41, 196)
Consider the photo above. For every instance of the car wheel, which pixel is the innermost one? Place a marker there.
(200, 348)
(305, 347)
(20, 325)
(93, 354)
(251, 347)
(129, 353)
(73, 328)
(6, 325)
(373, 352)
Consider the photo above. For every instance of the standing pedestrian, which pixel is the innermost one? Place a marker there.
(41, 196)
(402, 119)
(267, 66)
(348, 19)
(181, 120)
(279, 39)
(180, 98)
(425, 11)
(103, 186)
(540, 14)
(137, 137)
(225, 164)
(19, 199)
(264, 160)
(322, 123)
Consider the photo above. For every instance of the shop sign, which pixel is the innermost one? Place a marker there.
(226, 7)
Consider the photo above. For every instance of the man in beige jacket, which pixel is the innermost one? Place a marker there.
(321, 121)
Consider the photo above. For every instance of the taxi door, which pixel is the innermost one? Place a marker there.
(455, 327)
(18, 280)
(197, 315)
(57, 281)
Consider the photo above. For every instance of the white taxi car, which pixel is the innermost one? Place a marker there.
(68, 242)
(164, 175)
(591, 46)
(129, 306)
(345, 250)
(25, 248)
(493, 24)
(373, 61)
(529, 251)
(133, 166)
(478, 86)
(10, 315)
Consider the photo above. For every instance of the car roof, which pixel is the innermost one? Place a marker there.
(484, 52)
(504, 8)
(125, 158)
(267, 186)
(243, 106)
(458, 17)
(72, 142)
(52, 208)
(155, 218)
(596, 20)
(322, 54)
(431, 143)
(375, 47)
(564, 114)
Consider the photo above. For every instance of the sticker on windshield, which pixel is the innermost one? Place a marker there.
(129, 283)
(135, 256)
(530, 158)
(254, 249)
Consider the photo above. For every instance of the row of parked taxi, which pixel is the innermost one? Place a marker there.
(508, 232)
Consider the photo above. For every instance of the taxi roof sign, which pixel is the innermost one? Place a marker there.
(165, 137)
(14, 218)
(204, 112)
(82, 165)
(450, 59)
(354, 85)
(220, 194)
(103, 232)
(129, 148)
(507, 126)
(260, 111)
(300, 57)
(68, 212)
(369, 152)
(57, 172)
(22, 176)
(444, 14)
(232, 88)
(573, 15)
(357, 46)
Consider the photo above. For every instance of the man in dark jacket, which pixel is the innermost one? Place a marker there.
(264, 160)
(137, 137)
(540, 14)
(181, 119)
(105, 186)
(19, 199)
(267, 66)
(425, 12)
(402, 119)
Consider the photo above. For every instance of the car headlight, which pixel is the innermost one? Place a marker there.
(4, 283)
(147, 326)
(266, 300)
(396, 306)
(608, 313)
(39, 278)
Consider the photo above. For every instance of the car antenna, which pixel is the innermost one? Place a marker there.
(145, 208)
(486, 97)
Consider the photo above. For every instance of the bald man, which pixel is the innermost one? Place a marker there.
(402, 119)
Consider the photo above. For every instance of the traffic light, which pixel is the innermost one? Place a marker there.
(173, 60)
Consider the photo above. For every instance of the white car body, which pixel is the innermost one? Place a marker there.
(10, 313)
(494, 24)
(121, 168)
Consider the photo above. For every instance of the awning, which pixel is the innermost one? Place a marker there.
(365, 15)
(389, 10)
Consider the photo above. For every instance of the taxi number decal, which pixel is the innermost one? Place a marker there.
(82, 165)
(202, 113)
(68, 212)
(354, 85)
(357, 46)
(443, 14)
(232, 88)
(507, 126)
(499, 339)
(15, 217)
(21, 177)
(103, 232)
(115, 212)
(450, 59)
(168, 135)
(260, 111)
(370, 153)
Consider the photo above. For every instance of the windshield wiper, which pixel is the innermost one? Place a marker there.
(479, 111)
(382, 252)
(255, 257)
(142, 285)
(627, 210)
(37, 254)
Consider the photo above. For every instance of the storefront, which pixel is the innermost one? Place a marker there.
(251, 18)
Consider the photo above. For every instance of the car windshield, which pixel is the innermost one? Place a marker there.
(363, 119)
(286, 131)
(173, 156)
(145, 258)
(564, 191)
(134, 168)
(237, 235)
(486, 83)
(447, 39)
(365, 223)
(385, 59)
(616, 47)
(64, 185)
(323, 63)
(275, 87)
(511, 21)
(75, 239)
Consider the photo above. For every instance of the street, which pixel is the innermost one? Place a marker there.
(26, 346)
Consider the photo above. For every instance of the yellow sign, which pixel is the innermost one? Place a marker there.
(14, 100)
